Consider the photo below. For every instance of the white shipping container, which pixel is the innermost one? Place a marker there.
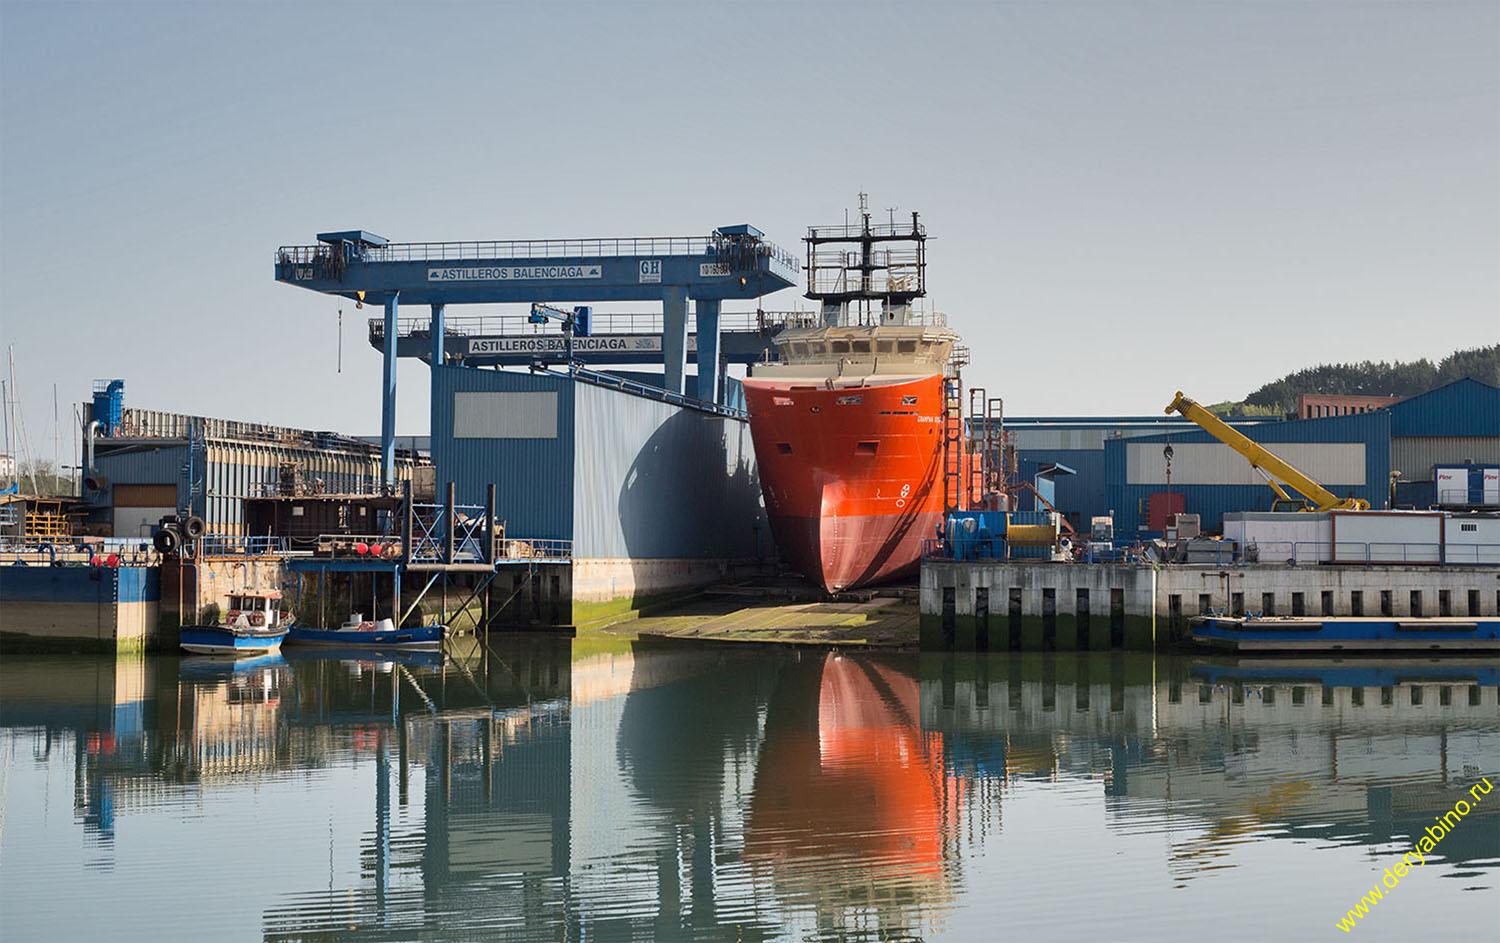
(1471, 539)
(1387, 537)
(1279, 536)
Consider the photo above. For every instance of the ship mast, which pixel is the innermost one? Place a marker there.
(866, 274)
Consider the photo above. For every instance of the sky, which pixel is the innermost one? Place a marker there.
(1124, 198)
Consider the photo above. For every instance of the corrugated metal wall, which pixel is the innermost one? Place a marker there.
(533, 477)
(1213, 501)
(655, 481)
(1414, 456)
(1213, 463)
(1462, 408)
(226, 472)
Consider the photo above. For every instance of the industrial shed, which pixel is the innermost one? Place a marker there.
(653, 495)
(1119, 463)
(147, 464)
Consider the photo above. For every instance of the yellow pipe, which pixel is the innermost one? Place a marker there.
(1263, 460)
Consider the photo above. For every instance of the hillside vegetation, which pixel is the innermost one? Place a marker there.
(1279, 397)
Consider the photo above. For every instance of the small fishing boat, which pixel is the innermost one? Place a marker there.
(252, 626)
(360, 632)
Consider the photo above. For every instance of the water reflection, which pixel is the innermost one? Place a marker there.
(677, 791)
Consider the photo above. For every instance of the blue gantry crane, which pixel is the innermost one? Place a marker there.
(732, 262)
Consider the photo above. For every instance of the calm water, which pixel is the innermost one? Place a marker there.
(535, 792)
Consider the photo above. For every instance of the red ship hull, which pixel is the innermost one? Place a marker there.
(852, 477)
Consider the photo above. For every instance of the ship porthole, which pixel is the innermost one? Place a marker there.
(817, 409)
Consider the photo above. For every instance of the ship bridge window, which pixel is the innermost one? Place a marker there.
(861, 347)
(907, 347)
(885, 347)
(841, 347)
(866, 448)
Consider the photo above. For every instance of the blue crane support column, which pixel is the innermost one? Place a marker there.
(439, 358)
(388, 397)
(674, 300)
(708, 349)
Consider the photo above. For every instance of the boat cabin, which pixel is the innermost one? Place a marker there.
(255, 609)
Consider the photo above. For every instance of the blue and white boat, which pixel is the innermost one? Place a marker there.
(1341, 634)
(252, 626)
(360, 632)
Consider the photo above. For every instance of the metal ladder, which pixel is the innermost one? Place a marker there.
(953, 443)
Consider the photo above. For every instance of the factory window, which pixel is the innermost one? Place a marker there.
(1174, 616)
(1445, 696)
(1416, 695)
(1356, 603)
(1327, 602)
(1268, 696)
(298, 510)
(1473, 695)
(866, 448)
(1327, 696)
(1473, 602)
(1387, 604)
(1416, 603)
(1387, 696)
(1268, 604)
(1237, 604)
(1299, 696)
(785, 448)
(1205, 604)
(1299, 604)
(1357, 697)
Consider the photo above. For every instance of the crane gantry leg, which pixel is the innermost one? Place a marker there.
(388, 395)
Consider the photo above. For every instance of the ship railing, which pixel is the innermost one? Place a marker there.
(1230, 553)
(505, 325)
(25, 551)
(533, 549)
(855, 230)
(240, 545)
(506, 249)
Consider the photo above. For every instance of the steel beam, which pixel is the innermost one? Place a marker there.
(439, 359)
(388, 396)
(674, 335)
(708, 349)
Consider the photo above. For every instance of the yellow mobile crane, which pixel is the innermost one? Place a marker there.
(1267, 464)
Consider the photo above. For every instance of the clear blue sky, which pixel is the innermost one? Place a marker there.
(1125, 198)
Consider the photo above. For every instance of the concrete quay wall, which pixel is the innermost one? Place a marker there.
(79, 608)
(1041, 606)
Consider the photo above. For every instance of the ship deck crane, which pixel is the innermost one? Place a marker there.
(1264, 461)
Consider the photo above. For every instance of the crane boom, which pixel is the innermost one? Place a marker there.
(1265, 461)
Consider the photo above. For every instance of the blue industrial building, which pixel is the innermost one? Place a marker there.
(1386, 456)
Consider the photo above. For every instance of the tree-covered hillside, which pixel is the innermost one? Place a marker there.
(1279, 397)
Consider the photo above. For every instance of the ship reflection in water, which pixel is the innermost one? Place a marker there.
(683, 792)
